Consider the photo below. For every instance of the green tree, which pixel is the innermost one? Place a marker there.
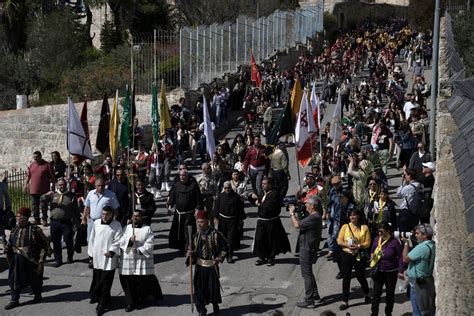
(463, 30)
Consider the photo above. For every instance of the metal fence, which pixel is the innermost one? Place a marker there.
(196, 55)
(155, 56)
(15, 181)
(209, 51)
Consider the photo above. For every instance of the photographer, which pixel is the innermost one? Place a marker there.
(420, 262)
(410, 204)
(309, 238)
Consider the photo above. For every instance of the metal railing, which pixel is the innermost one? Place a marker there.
(195, 55)
(15, 181)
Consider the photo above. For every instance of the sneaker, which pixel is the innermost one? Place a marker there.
(305, 304)
(12, 305)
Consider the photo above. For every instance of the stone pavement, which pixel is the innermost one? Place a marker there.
(247, 290)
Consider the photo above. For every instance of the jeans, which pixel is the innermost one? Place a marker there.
(256, 177)
(36, 205)
(414, 304)
(62, 230)
(307, 259)
(333, 231)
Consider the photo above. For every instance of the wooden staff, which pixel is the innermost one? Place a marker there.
(191, 294)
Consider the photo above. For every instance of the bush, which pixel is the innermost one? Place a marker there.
(463, 30)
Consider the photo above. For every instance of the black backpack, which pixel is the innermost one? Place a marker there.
(417, 204)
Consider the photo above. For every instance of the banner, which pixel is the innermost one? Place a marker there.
(77, 141)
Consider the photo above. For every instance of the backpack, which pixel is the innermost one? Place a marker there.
(417, 204)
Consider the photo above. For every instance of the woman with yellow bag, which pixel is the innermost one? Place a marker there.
(386, 263)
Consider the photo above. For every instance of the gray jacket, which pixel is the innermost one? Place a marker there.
(407, 192)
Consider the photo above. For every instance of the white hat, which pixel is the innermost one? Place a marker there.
(430, 165)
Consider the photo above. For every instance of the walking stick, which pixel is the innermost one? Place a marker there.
(191, 294)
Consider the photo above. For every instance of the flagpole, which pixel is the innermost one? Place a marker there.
(297, 163)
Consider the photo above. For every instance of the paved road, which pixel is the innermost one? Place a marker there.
(247, 289)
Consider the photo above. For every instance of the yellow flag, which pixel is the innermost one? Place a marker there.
(296, 96)
(165, 119)
(114, 127)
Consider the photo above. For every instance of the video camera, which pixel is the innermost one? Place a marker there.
(300, 208)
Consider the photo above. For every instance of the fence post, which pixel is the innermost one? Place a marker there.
(236, 43)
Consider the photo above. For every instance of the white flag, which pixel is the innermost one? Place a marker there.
(316, 106)
(77, 142)
(210, 142)
(336, 129)
(309, 113)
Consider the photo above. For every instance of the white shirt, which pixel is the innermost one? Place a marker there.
(407, 109)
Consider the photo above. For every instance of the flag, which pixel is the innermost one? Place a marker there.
(283, 126)
(336, 124)
(255, 73)
(155, 116)
(302, 135)
(296, 95)
(315, 105)
(114, 125)
(102, 139)
(309, 113)
(134, 107)
(126, 122)
(77, 141)
(84, 122)
(165, 119)
(210, 142)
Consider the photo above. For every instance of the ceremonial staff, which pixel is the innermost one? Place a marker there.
(191, 294)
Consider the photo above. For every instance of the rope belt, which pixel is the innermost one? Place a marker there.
(204, 263)
(268, 219)
(225, 216)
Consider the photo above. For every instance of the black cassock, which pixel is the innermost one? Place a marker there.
(229, 209)
(270, 235)
(186, 198)
(207, 245)
(145, 202)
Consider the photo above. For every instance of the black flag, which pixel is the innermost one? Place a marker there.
(283, 126)
(102, 140)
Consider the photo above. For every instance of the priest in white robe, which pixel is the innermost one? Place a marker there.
(137, 271)
(104, 247)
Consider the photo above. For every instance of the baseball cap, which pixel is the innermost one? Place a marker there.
(430, 165)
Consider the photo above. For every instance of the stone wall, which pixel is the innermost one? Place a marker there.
(454, 292)
(44, 128)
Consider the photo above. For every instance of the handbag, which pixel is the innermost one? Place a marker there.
(363, 254)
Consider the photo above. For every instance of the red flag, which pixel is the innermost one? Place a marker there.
(255, 73)
(84, 122)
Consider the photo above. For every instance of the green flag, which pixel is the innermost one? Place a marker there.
(155, 116)
(126, 121)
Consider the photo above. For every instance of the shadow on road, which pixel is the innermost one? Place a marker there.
(67, 297)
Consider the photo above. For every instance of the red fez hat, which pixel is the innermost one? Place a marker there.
(24, 211)
(201, 215)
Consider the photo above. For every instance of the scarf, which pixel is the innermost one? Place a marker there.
(372, 195)
(378, 253)
(61, 195)
(380, 214)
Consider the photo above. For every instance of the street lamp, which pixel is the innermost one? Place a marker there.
(134, 49)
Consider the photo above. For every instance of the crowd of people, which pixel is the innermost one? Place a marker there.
(111, 205)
